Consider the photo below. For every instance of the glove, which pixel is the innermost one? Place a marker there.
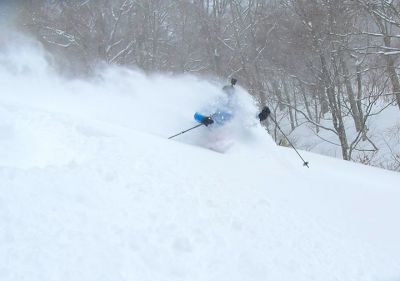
(265, 112)
(207, 121)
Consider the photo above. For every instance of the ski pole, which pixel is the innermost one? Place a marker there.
(305, 163)
(185, 131)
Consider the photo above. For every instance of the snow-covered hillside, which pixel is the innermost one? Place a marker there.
(92, 189)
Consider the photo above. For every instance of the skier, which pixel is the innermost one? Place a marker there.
(226, 109)
(218, 115)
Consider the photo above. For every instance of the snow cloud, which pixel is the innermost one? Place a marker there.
(159, 104)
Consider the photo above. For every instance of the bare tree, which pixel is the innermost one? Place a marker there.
(321, 62)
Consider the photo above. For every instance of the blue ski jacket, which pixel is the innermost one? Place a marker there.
(224, 110)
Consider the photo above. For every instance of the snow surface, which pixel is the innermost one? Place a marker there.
(92, 189)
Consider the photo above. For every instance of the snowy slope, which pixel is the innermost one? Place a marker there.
(91, 189)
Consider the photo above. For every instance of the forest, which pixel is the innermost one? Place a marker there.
(326, 68)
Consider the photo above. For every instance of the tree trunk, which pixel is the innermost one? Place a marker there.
(351, 96)
(391, 69)
(288, 101)
(394, 79)
(334, 105)
(277, 91)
